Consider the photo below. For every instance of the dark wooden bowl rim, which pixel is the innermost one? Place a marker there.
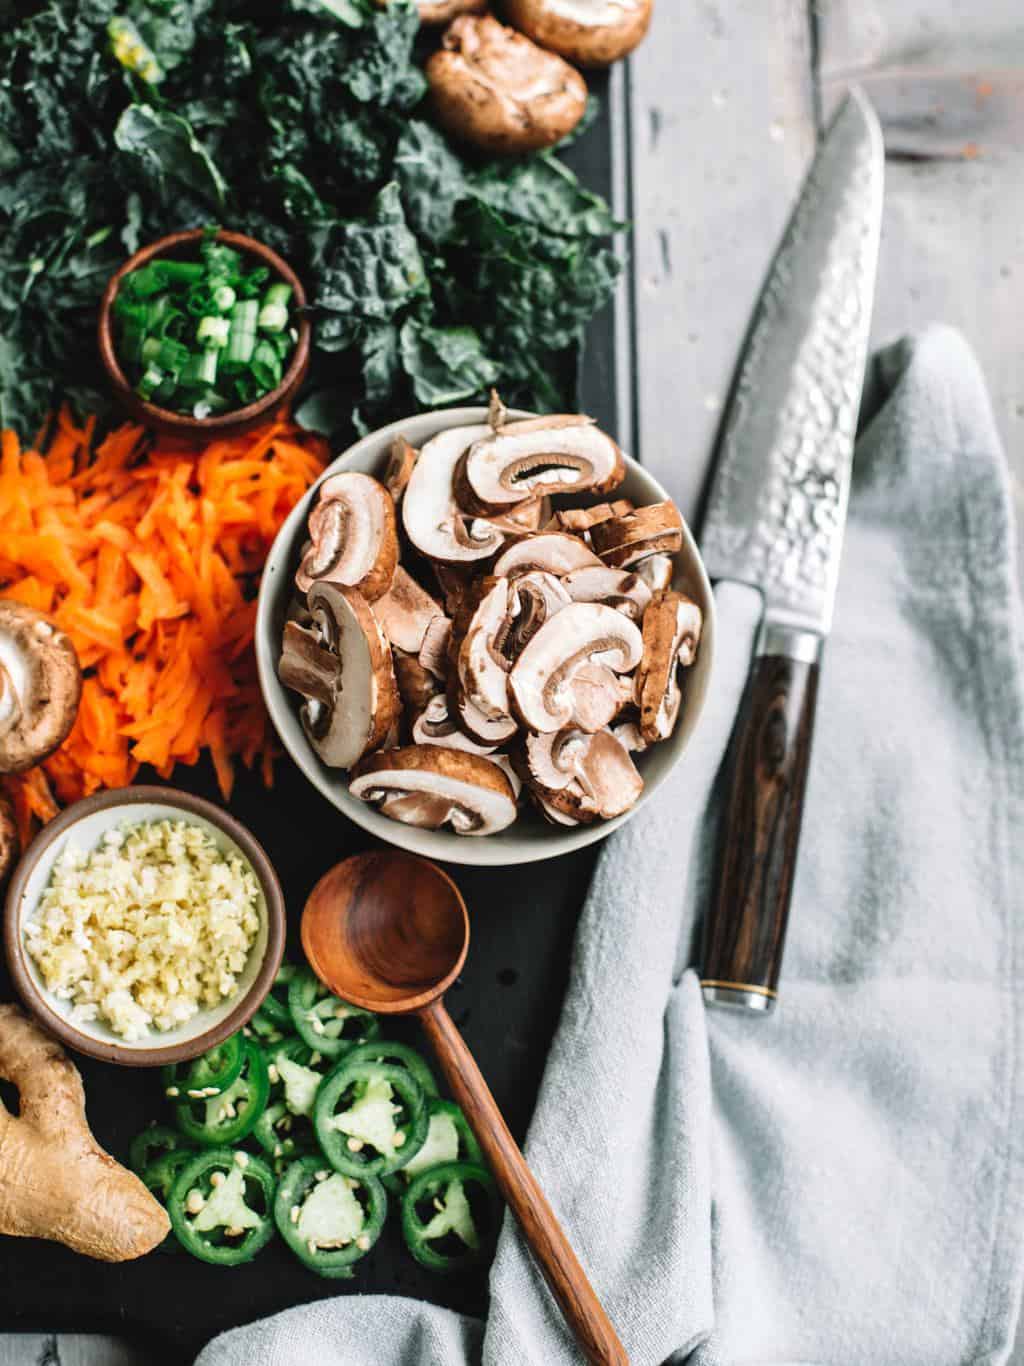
(236, 418)
(244, 1008)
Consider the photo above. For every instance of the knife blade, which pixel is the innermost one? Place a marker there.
(775, 517)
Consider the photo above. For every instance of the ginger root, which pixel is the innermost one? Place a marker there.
(56, 1181)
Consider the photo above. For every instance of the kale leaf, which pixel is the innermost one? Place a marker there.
(431, 275)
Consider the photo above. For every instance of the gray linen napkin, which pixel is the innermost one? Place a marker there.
(843, 1182)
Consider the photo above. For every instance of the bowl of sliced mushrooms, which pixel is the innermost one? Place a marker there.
(485, 636)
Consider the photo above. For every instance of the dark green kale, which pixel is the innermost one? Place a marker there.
(431, 275)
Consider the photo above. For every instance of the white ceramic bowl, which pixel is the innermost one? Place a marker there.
(84, 825)
(531, 837)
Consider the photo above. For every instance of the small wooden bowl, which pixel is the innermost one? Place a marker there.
(238, 419)
(85, 823)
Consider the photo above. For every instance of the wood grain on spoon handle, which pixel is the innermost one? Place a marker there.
(745, 930)
(541, 1229)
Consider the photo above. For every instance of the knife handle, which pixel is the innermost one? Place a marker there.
(766, 773)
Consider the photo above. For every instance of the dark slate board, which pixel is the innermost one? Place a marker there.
(507, 1005)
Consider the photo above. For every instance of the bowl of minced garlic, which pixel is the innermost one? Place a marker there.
(144, 926)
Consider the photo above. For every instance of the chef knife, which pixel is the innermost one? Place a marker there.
(776, 512)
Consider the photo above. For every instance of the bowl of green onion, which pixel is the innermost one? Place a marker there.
(204, 332)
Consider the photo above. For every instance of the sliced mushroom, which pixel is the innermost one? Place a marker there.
(555, 552)
(528, 516)
(578, 521)
(10, 844)
(406, 612)
(672, 627)
(627, 732)
(455, 583)
(539, 596)
(493, 87)
(433, 653)
(587, 32)
(401, 460)
(433, 521)
(480, 664)
(585, 777)
(434, 726)
(431, 787)
(416, 685)
(622, 541)
(40, 686)
(656, 571)
(567, 675)
(558, 454)
(342, 666)
(474, 722)
(444, 11)
(508, 768)
(625, 592)
(353, 534)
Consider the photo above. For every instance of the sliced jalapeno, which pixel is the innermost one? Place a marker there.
(325, 1022)
(275, 1003)
(449, 1139)
(162, 1173)
(450, 1215)
(229, 1116)
(264, 1028)
(296, 1071)
(329, 1221)
(221, 1206)
(152, 1143)
(205, 1076)
(370, 1117)
(388, 1050)
(282, 1135)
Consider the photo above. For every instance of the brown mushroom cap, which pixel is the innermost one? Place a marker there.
(567, 674)
(493, 87)
(430, 786)
(580, 520)
(401, 459)
(672, 627)
(587, 32)
(623, 541)
(353, 534)
(443, 11)
(562, 453)
(40, 686)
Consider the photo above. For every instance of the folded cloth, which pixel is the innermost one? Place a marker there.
(841, 1182)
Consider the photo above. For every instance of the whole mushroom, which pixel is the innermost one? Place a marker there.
(493, 87)
(587, 32)
(40, 687)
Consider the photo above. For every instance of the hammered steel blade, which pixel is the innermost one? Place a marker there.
(777, 505)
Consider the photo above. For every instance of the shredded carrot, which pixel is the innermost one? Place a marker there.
(147, 552)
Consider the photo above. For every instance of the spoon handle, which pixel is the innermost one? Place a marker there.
(541, 1229)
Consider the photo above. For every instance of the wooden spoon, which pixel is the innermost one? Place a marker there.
(389, 933)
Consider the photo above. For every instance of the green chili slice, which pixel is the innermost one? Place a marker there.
(449, 1139)
(370, 1117)
(282, 1135)
(275, 1003)
(232, 1113)
(401, 1054)
(450, 1215)
(206, 1076)
(221, 1206)
(329, 1221)
(152, 1143)
(295, 1072)
(325, 1022)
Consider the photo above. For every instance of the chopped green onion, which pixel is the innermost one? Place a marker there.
(266, 365)
(220, 259)
(213, 332)
(201, 369)
(224, 298)
(274, 311)
(150, 382)
(242, 338)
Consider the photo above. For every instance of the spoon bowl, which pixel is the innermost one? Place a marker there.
(389, 932)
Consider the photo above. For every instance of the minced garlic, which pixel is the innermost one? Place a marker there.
(147, 929)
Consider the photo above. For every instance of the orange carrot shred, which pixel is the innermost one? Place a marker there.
(147, 550)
